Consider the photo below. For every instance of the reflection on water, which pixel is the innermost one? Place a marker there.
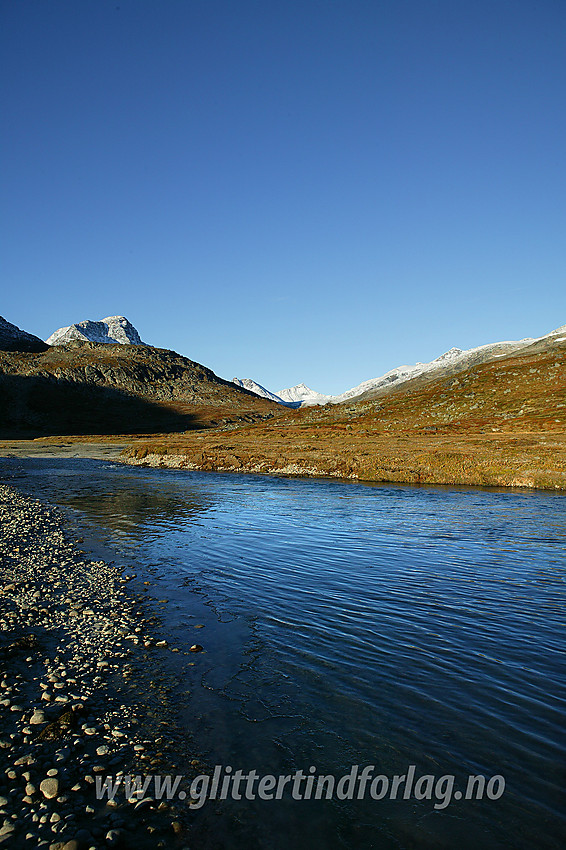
(349, 624)
(129, 511)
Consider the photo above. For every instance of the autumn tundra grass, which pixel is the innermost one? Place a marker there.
(501, 423)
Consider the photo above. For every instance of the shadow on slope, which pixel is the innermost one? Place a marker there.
(38, 406)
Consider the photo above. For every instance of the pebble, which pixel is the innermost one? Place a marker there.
(37, 718)
(72, 639)
(49, 788)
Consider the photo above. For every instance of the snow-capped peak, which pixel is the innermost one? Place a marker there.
(113, 329)
(256, 388)
(452, 354)
(303, 394)
(453, 359)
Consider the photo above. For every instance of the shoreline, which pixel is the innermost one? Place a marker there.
(416, 467)
(75, 646)
(426, 464)
(295, 470)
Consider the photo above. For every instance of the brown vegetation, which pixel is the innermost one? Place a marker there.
(500, 423)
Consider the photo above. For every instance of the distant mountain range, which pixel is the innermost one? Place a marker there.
(448, 363)
(302, 395)
(118, 330)
(491, 415)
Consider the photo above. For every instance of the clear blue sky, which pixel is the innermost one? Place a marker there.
(291, 191)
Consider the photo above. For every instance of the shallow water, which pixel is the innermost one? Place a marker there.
(348, 624)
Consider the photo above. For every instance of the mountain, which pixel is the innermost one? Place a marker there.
(14, 339)
(113, 329)
(303, 395)
(94, 388)
(449, 363)
(498, 423)
(256, 388)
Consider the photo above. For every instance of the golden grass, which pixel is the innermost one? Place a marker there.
(498, 424)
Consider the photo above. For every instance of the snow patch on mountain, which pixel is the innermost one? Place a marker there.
(113, 329)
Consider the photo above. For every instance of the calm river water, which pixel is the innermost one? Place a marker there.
(348, 624)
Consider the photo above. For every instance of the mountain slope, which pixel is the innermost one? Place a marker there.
(256, 388)
(448, 363)
(113, 329)
(500, 423)
(14, 339)
(94, 388)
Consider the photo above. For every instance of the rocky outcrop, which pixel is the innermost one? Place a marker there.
(113, 329)
(14, 339)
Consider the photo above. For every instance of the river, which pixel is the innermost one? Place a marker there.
(343, 625)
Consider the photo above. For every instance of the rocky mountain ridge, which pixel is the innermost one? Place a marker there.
(99, 388)
(452, 361)
(111, 330)
(12, 338)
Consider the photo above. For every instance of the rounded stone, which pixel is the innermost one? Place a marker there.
(49, 787)
(37, 717)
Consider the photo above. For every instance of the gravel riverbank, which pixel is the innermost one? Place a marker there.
(74, 680)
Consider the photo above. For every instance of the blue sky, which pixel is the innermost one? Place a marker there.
(291, 191)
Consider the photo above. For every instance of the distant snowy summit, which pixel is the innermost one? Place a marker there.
(292, 397)
(256, 388)
(447, 363)
(302, 394)
(113, 329)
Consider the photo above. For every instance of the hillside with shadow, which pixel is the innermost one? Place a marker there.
(91, 388)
